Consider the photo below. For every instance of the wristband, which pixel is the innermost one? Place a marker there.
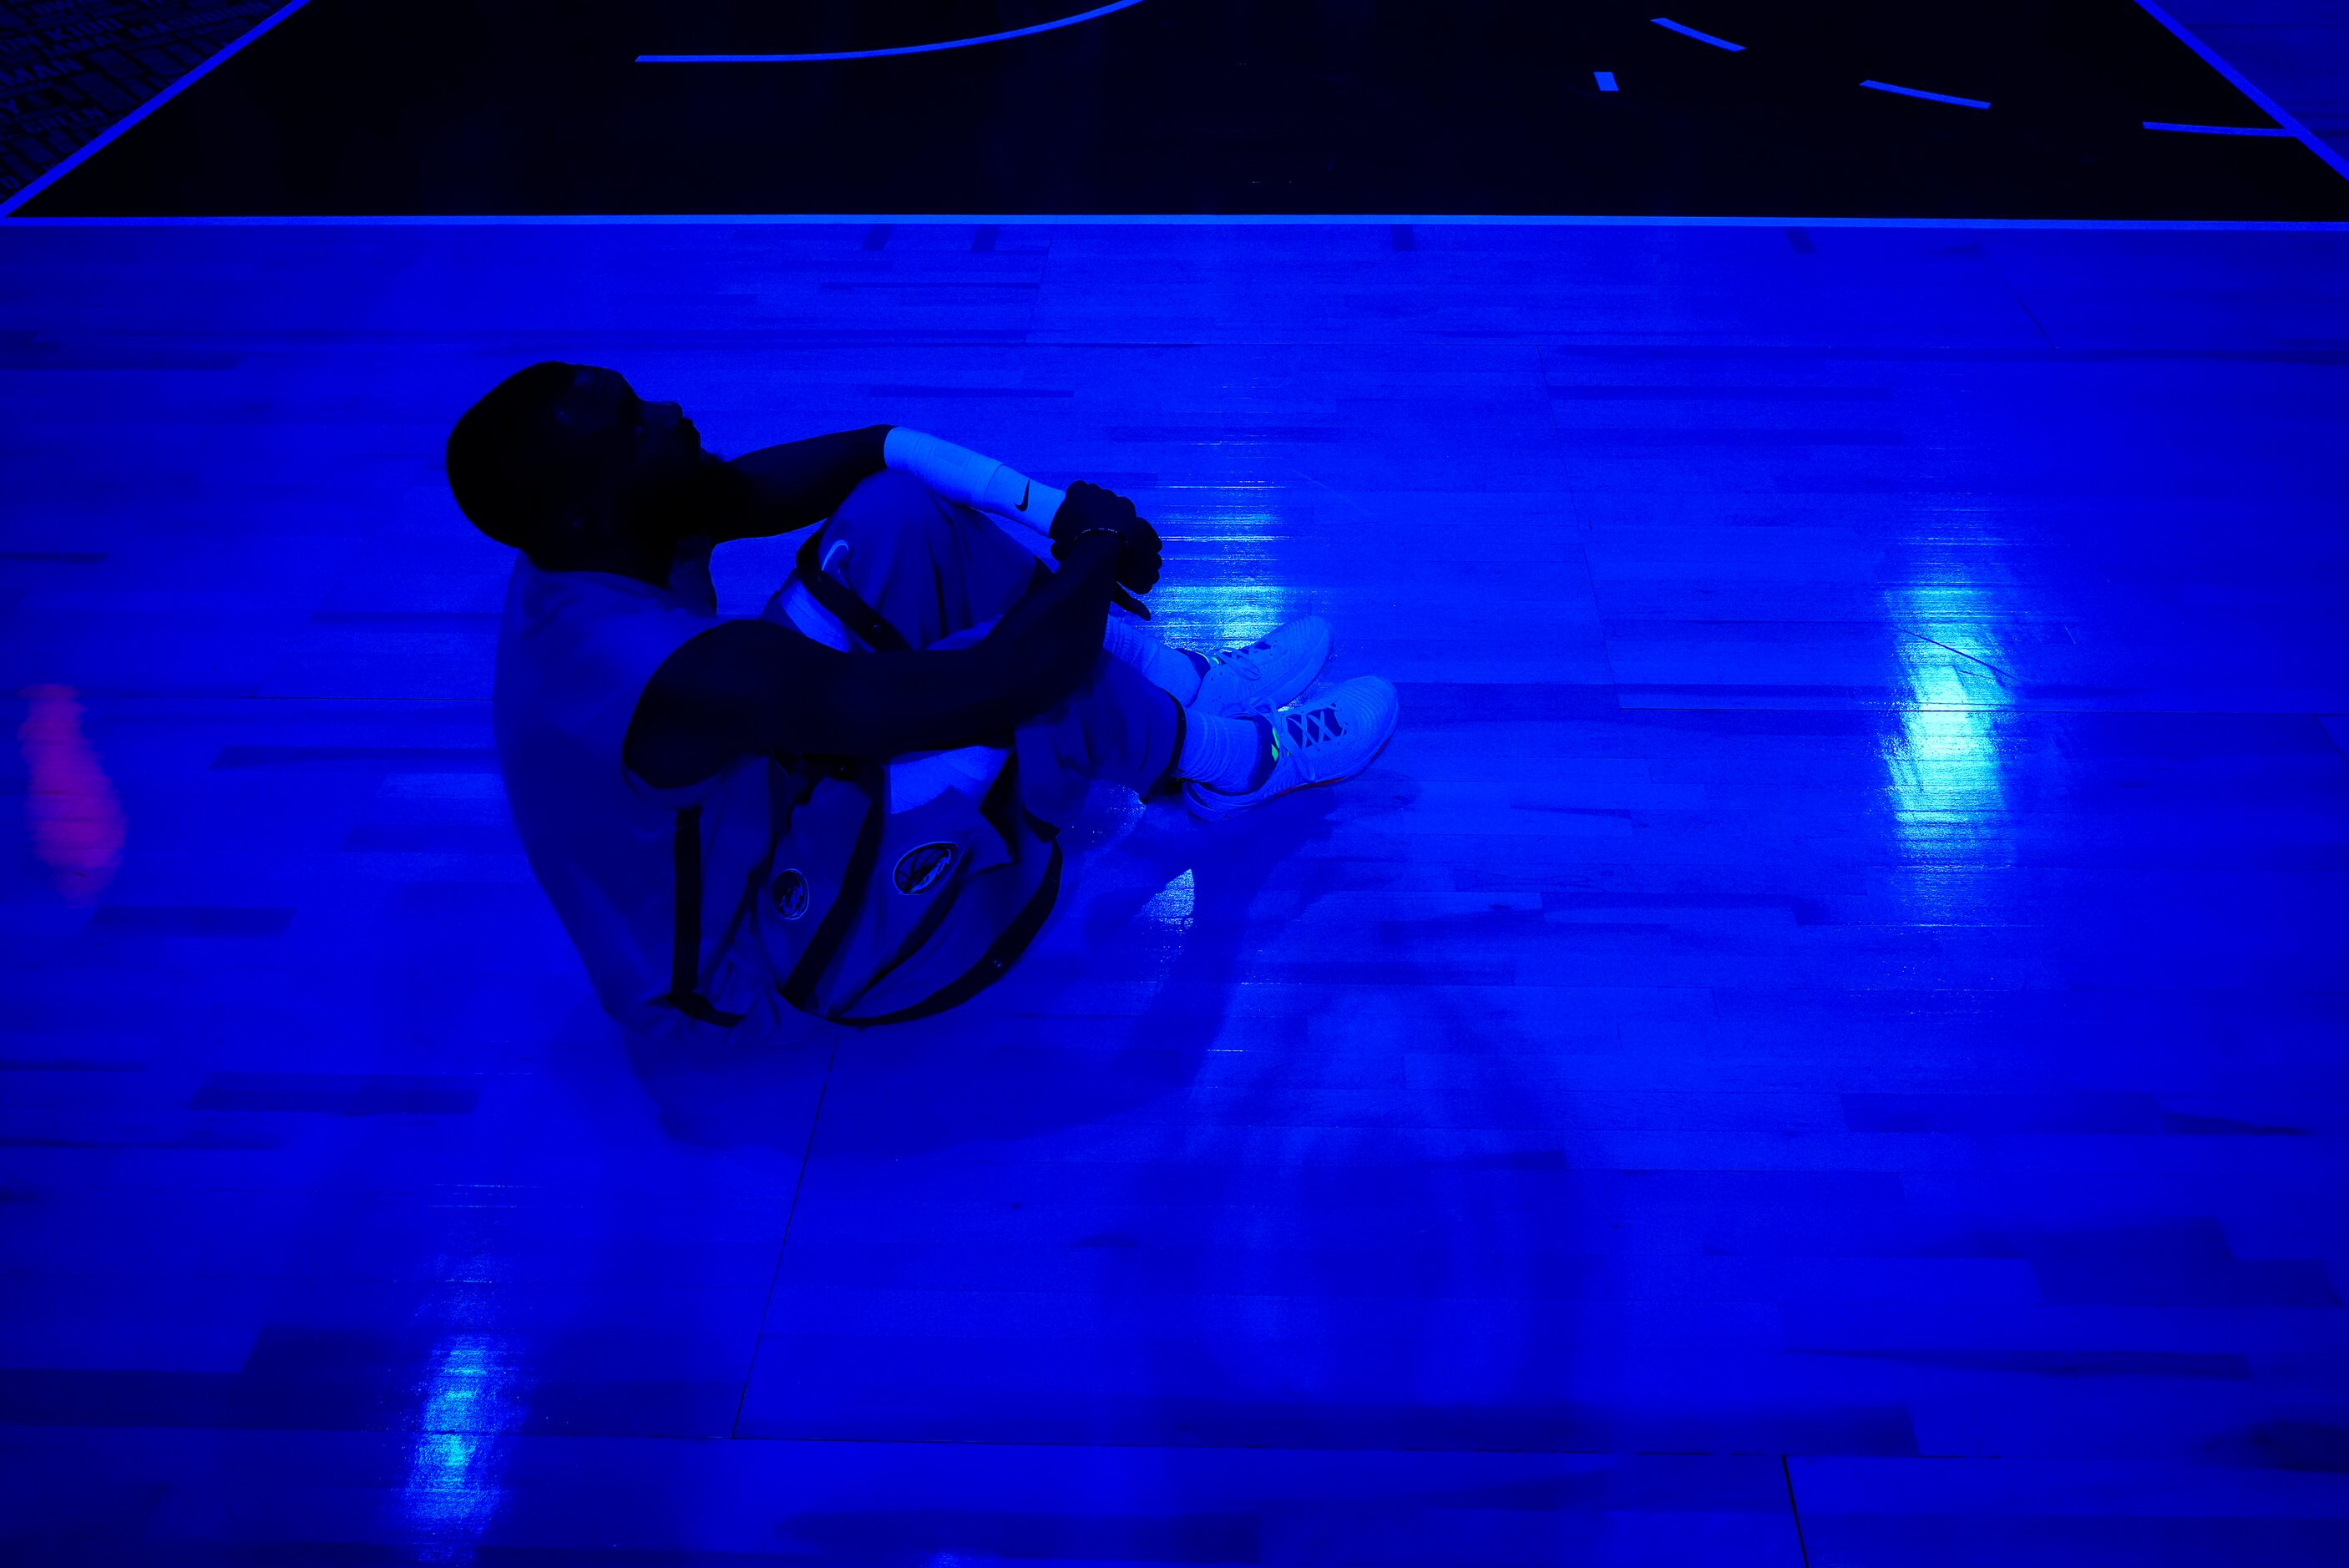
(962, 475)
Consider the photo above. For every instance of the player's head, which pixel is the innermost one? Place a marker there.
(563, 460)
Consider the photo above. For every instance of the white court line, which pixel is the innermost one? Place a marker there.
(83, 154)
(1685, 31)
(2274, 111)
(2275, 130)
(1115, 5)
(1176, 220)
(2243, 84)
(1922, 93)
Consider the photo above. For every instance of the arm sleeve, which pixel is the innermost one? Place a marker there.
(960, 474)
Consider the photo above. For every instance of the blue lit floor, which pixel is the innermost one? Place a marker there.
(1821, 1041)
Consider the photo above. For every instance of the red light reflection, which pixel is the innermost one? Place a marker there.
(70, 806)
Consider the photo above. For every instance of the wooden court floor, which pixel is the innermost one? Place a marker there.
(1820, 1043)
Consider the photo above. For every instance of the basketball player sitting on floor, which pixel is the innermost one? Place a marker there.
(849, 804)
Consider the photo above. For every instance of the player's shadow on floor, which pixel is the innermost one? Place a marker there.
(1051, 1046)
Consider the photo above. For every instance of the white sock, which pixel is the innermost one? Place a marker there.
(1228, 754)
(1169, 669)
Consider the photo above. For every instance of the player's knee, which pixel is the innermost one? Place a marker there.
(894, 508)
(891, 487)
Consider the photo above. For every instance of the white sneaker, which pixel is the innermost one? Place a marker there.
(1323, 740)
(1268, 674)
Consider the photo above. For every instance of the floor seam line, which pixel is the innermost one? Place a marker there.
(774, 1280)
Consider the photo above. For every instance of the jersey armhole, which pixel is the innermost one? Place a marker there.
(677, 797)
(668, 798)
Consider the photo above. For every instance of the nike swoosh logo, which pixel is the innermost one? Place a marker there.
(1024, 488)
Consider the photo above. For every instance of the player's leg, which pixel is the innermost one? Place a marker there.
(931, 568)
(1116, 727)
(1270, 673)
(1236, 738)
(1120, 727)
(1325, 738)
(934, 568)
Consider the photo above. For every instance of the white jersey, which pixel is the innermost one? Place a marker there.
(574, 652)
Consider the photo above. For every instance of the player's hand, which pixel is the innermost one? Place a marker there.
(1090, 508)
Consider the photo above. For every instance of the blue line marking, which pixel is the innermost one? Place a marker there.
(2273, 109)
(877, 54)
(1606, 81)
(1685, 31)
(105, 138)
(1921, 92)
(1187, 219)
(2218, 130)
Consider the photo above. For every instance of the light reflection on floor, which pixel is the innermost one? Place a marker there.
(1945, 774)
(1240, 593)
(72, 810)
(1170, 908)
(470, 1400)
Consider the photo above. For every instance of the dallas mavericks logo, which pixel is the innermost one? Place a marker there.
(790, 895)
(920, 866)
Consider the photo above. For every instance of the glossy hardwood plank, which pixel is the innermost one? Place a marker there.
(1837, 978)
